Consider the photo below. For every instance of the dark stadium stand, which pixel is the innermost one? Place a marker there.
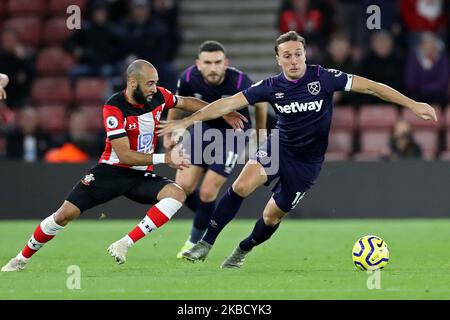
(58, 8)
(55, 31)
(358, 131)
(52, 118)
(372, 117)
(53, 61)
(90, 90)
(29, 29)
(35, 8)
(51, 91)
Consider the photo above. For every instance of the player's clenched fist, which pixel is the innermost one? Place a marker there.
(424, 111)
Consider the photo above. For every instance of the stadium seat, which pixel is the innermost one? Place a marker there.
(94, 114)
(54, 62)
(58, 8)
(340, 141)
(20, 8)
(90, 91)
(340, 145)
(377, 117)
(336, 156)
(344, 118)
(52, 118)
(29, 29)
(428, 141)
(2, 10)
(445, 155)
(418, 123)
(373, 144)
(55, 31)
(446, 120)
(51, 91)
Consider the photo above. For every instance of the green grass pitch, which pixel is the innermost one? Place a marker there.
(305, 259)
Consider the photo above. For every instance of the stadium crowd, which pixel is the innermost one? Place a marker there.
(59, 78)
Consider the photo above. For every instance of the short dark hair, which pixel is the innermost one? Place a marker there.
(289, 36)
(211, 46)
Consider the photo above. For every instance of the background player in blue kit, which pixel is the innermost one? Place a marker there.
(210, 79)
(302, 98)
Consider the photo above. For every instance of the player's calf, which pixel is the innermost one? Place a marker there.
(156, 217)
(44, 232)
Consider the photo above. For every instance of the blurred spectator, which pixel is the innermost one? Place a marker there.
(390, 20)
(382, 64)
(80, 145)
(308, 21)
(168, 12)
(349, 18)
(338, 56)
(18, 62)
(402, 144)
(144, 35)
(424, 15)
(26, 142)
(428, 71)
(117, 9)
(95, 46)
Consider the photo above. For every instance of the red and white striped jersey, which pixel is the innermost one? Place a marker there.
(136, 121)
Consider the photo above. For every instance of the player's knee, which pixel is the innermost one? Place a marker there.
(271, 218)
(188, 189)
(64, 215)
(242, 188)
(208, 192)
(176, 192)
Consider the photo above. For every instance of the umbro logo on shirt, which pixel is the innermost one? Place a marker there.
(295, 107)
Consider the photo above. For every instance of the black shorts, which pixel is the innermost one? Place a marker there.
(105, 182)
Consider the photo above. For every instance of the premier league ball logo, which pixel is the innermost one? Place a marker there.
(314, 87)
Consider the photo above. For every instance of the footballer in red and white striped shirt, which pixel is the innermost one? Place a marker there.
(125, 167)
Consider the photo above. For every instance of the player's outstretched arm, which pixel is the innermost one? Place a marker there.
(234, 119)
(384, 92)
(4, 80)
(212, 111)
(174, 158)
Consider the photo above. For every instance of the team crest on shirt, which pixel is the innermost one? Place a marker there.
(88, 179)
(314, 87)
(112, 122)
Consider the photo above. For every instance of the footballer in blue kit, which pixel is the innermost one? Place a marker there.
(301, 96)
(210, 79)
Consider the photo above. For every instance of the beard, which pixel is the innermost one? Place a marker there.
(214, 79)
(138, 95)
